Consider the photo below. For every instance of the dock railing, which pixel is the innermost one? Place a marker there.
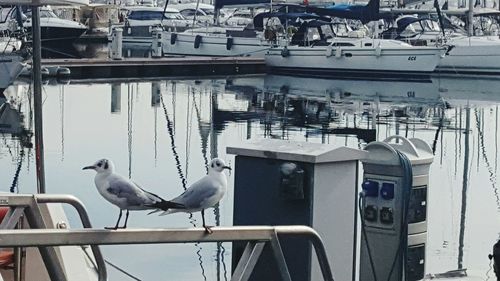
(255, 236)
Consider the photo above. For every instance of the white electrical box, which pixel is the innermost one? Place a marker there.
(280, 182)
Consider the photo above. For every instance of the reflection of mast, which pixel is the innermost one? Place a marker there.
(129, 128)
(61, 100)
(249, 125)
(492, 172)
(456, 140)
(213, 137)
(170, 129)
(189, 126)
(496, 140)
(116, 98)
(465, 182)
(283, 119)
(478, 140)
(15, 182)
(460, 135)
(214, 106)
(155, 101)
(174, 98)
(204, 130)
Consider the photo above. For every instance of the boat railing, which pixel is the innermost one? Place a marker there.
(45, 239)
(27, 205)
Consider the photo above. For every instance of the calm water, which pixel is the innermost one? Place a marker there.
(160, 132)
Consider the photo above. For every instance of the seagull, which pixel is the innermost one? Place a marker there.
(201, 195)
(124, 193)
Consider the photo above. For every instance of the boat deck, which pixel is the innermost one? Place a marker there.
(159, 67)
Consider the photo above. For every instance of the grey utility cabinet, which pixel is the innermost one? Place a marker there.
(280, 182)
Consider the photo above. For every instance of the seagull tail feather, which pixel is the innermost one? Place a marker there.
(165, 205)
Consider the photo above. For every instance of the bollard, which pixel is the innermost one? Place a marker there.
(116, 44)
(156, 46)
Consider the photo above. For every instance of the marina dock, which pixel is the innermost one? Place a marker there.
(158, 67)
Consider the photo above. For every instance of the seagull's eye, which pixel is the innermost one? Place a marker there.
(217, 163)
(99, 165)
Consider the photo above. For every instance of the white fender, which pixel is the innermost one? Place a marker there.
(329, 51)
(338, 52)
(378, 50)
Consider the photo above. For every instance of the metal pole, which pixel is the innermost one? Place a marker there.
(470, 16)
(37, 98)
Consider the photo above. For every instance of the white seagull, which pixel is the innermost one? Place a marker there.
(201, 195)
(124, 193)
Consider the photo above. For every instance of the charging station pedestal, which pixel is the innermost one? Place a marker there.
(387, 210)
(279, 182)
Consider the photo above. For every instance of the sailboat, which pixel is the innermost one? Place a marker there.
(318, 49)
(11, 60)
(467, 54)
(217, 40)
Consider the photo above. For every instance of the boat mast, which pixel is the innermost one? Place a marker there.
(196, 11)
(470, 15)
(164, 11)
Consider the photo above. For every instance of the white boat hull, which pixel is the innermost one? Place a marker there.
(475, 55)
(11, 66)
(210, 45)
(351, 61)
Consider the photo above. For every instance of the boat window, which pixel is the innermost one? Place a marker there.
(243, 15)
(47, 14)
(416, 27)
(173, 16)
(191, 12)
(327, 31)
(368, 44)
(5, 13)
(433, 25)
(313, 34)
(457, 22)
(153, 15)
(209, 12)
(342, 44)
(341, 29)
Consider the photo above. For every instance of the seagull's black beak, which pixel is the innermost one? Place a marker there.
(227, 167)
(89, 168)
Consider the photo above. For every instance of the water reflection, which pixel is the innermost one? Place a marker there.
(172, 128)
(74, 50)
(15, 134)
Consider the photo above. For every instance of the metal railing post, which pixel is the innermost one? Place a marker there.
(280, 258)
(248, 260)
(84, 217)
(49, 255)
(317, 243)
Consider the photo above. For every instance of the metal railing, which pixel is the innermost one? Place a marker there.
(27, 204)
(255, 236)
